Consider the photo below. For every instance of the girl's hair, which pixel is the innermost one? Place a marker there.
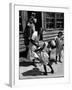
(60, 34)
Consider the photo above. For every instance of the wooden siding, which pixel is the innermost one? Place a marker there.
(50, 34)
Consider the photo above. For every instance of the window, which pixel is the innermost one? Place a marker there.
(59, 20)
(53, 20)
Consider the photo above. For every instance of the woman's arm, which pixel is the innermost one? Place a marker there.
(34, 43)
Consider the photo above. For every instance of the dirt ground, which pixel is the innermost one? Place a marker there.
(27, 69)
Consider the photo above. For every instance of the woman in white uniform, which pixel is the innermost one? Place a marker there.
(33, 39)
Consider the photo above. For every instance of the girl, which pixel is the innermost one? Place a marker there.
(59, 46)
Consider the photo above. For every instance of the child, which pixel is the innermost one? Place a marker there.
(52, 51)
(45, 58)
(59, 46)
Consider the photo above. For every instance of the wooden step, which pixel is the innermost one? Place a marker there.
(50, 35)
(51, 31)
(21, 39)
(20, 32)
(21, 36)
(53, 36)
(49, 39)
(21, 42)
(21, 50)
(22, 46)
(46, 39)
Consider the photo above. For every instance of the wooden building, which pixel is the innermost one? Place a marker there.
(52, 22)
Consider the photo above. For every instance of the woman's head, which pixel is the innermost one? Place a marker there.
(33, 18)
(33, 15)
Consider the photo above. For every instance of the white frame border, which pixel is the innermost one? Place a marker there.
(14, 44)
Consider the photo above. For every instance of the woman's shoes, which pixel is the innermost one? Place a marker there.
(45, 73)
(60, 61)
(52, 71)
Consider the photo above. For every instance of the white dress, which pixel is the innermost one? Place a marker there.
(44, 55)
(31, 53)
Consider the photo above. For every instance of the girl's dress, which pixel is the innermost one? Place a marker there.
(58, 46)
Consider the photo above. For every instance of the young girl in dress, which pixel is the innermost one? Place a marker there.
(59, 46)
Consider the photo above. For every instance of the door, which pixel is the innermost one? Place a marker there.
(39, 19)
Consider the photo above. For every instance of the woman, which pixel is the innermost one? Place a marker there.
(28, 32)
(33, 37)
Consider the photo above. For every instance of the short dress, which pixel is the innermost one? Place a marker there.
(45, 56)
(58, 46)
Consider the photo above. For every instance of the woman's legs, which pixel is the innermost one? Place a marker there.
(52, 71)
(45, 73)
(56, 59)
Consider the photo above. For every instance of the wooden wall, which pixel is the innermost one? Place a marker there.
(50, 32)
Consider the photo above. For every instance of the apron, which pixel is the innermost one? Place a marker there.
(44, 57)
(53, 54)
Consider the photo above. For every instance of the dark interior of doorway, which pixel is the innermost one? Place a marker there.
(38, 27)
(39, 20)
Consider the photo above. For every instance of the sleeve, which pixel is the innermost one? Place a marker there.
(34, 36)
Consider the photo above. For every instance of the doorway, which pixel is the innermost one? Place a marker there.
(39, 19)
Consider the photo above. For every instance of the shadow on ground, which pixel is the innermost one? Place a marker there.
(33, 72)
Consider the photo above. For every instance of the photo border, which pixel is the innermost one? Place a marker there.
(14, 65)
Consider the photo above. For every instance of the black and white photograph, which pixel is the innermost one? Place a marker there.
(41, 44)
